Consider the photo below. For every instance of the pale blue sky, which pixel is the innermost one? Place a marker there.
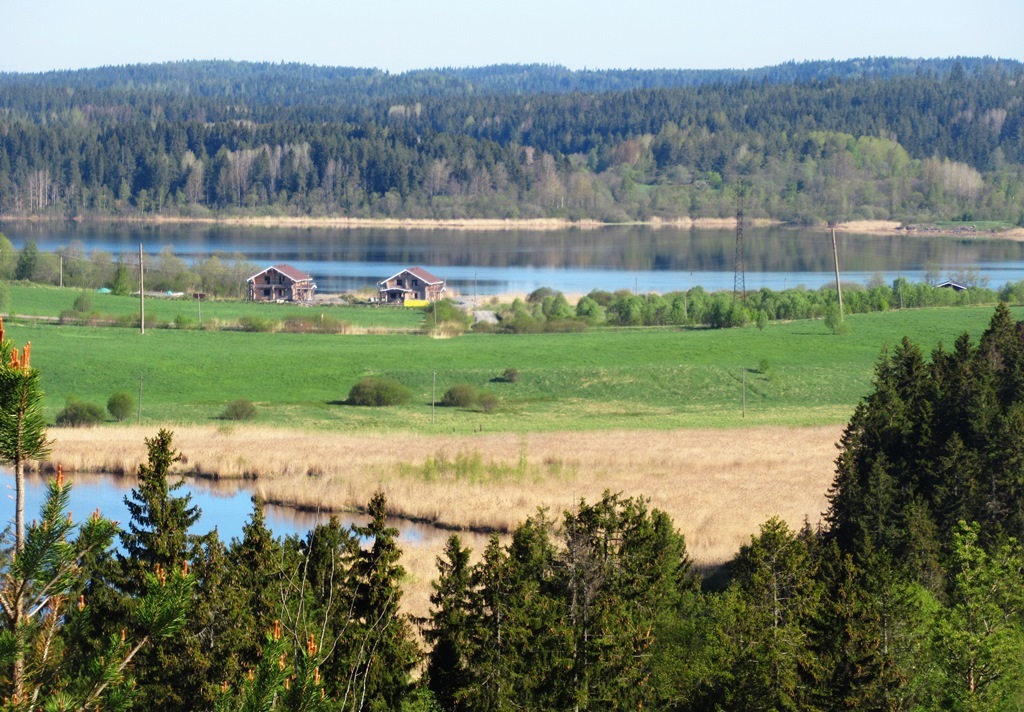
(398, 35)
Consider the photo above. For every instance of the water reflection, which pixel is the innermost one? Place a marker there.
(618, 257)
(226, 505)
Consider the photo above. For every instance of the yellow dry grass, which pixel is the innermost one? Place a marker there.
(717, 485)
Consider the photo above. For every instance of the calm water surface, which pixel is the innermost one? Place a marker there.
(575, 261)
(225, 505)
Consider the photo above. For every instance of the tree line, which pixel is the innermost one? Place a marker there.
(876, 140)
(218, 275)
(907, 596)
(544, 309)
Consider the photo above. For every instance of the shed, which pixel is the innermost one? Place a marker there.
(950, 284)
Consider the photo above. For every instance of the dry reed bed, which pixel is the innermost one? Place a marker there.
(717, 485)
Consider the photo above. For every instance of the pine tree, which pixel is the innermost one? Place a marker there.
(22, 438)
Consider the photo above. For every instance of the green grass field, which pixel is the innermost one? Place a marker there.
(629, 378)
(33, 300)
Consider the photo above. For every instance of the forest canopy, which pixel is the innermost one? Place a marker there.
(888, 138)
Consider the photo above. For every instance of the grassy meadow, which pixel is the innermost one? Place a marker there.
(795, 373)
(44, 301)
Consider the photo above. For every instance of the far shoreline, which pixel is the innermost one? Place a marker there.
(866, 227)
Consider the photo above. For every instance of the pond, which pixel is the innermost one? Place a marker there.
(641, 258)
(225, 504)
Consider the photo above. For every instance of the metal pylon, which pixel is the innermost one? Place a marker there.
(739, 282)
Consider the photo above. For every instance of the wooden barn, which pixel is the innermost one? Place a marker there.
(281, 283)
(414, 284)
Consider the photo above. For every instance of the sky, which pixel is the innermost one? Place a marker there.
(399, 35)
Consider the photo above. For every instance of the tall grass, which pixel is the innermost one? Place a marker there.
(718, 485)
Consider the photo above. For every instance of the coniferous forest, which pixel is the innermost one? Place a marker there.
(886, 138)
(906, 596)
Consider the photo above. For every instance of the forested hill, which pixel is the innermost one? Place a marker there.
(276, 86)
(875, 138)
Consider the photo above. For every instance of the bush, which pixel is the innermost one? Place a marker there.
(488, 402)
(120, 405)
(83, 303)
(462, 395)
(185, 322)
(511, 375)
(240, 409)
(446, 313)
(378, 392)
(130, 321)
(762, 319)
(523, 324)
(834, 321)
(77, 414)
(70, 316)
(538, 295)
(255, 323)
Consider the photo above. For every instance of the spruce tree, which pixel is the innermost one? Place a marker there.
(449, 633)
(386, 651)
(778, 594)
(170, 672)
(253, 584)
(622, 570)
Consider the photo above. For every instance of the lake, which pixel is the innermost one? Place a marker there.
(226, 505)
(641, 258)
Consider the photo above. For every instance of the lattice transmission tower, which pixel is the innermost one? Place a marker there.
(739, 282)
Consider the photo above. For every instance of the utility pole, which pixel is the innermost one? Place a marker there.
(142, 291)
(839, 287)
